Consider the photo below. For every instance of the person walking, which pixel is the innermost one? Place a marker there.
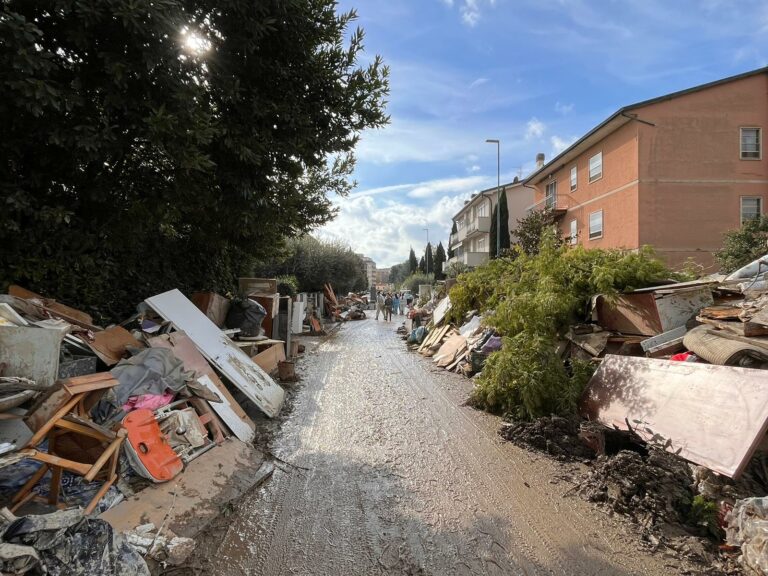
(396, 303)
(380, 305)
(388, 307)
(402, 303)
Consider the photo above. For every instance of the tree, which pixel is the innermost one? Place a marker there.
(501, 208)
(439, 261)
(398, 273)
(413, 264)
(429, 264)
(742, 246)
(454, 230)
(152, 145)
(530, 230)
(422, 265)
(315, 263)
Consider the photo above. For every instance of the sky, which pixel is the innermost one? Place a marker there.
(535, 74)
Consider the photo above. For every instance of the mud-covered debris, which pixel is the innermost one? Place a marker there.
(651, 490)
(552, 434)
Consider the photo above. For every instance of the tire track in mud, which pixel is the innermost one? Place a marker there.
(403, 480)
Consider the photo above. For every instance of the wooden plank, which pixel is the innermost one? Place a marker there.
(715, 416)
(258, 387)
(745, 329)
(721, 312)
(248, 286)
(269, 359)
(229, 411)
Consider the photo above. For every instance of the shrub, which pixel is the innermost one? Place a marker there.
(530, 300)
(287, 285)
(742, 246)
(413, 281)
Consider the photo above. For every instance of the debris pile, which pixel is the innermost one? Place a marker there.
(91, 415)
(341, 309)
(675, 414)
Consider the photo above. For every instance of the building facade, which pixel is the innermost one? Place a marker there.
(674, 172)
(370, 269)
(471, 241)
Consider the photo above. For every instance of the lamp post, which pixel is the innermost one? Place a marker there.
(426, 260)
(498, 192)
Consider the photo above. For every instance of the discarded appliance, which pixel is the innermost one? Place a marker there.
(220, 351)
(652, 311)
(715, 416)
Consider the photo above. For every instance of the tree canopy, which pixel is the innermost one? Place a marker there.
(413, 264)
(439, 262)
(500, 212)
(150, 145)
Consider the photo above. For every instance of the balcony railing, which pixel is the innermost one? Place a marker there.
(453, 240)
(480, 224)
(558, 204)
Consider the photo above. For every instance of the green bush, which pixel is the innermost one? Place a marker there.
(531, 300)
(413, 281)
(287, 285)
(742, 246)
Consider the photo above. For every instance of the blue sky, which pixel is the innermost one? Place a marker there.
(536, 74)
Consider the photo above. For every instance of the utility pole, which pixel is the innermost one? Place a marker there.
(498, 192)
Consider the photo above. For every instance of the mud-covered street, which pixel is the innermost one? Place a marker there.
(393, 475)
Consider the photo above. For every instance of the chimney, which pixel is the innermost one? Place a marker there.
(539, 160)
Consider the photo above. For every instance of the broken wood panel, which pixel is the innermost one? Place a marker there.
(269, 359)
(248, 286)
(739, 328)
(441, 310)
(229, 411)
(629, 314)
(258, 387)
(110, 344)
(712, 415)
(186, 351)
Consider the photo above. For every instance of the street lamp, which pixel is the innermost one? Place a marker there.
(426, 260)
(498, 192)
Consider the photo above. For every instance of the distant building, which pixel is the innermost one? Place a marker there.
(675, 172)
(471, 241)
(382, 276)
(370, 269)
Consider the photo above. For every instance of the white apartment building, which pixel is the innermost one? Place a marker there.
(471, 241)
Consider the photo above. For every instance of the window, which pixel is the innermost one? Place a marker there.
(751, 208)
(574, 237)
(750, 144)
(574, 178)
(550, 200)
(596, 167)
(480, 245)
(596, 225)
(460, 224)
(481, 210)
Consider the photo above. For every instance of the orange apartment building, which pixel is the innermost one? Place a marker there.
(675, 172)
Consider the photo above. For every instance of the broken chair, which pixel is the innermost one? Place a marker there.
(75, 442)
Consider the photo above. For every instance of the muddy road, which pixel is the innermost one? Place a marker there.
(394, 476)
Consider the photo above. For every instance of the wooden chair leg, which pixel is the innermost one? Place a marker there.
(27, 488)
(55, 488)
(43, 431)
(110, 450)
(100, 494)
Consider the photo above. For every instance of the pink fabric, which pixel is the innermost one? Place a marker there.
(148, 401)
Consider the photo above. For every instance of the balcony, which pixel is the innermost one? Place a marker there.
(475, 258)
(479, 225)
(557, 204)
(453, 240)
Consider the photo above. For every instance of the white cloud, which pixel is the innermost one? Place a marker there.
(470, 12)
(535, 128)
(429, 189)
(563, 109)
(559, 144)
(473, 168)
(385, 229)
(478, 82)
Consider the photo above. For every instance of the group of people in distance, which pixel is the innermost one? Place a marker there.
(388, 303)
